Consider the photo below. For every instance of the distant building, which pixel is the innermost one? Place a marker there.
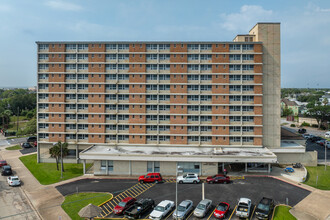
(137, 107)
(325, 97)
(286, 103)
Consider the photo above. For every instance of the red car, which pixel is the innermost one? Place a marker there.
(220, 178)
(151, 178)
(3, 163)
(221, 210)
(123, 205)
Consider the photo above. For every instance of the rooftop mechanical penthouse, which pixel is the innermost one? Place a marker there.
(137, 107)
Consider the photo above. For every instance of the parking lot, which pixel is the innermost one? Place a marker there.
(253, 188)
(311, 146)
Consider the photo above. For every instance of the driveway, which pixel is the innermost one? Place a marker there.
(310, 146)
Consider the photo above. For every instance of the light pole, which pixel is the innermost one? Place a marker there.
(325, 155)
(178, 168)
(61, 162)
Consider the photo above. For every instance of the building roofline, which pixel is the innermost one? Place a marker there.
(264, 23)
(144, 42)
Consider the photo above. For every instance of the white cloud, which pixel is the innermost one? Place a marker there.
(65, 6)
(247, 17)
(317, 8)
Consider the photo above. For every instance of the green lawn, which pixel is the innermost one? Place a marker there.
(282, 213)
(74, 203)
(16, 147)
(46, 173)
(323, 181)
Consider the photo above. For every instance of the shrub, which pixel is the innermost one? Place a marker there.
(292, 125)
(315, 126)
(305, 124)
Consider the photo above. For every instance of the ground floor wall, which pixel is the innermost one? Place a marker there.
(308, 158)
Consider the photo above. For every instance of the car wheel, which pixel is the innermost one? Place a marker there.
(195, 182)
(141, 181)
(180, 182)
(212, 182)
(156, 181)
(225, 182)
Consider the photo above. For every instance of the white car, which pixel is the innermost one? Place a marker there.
(306, 136)
(243, 208)
(162, 210)
(13, 181)
(327, 144)
(188, 178)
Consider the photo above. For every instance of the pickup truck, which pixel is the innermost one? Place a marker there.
(138, 208)
(243, 208)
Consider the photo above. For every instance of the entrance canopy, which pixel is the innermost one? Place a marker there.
(183, 154)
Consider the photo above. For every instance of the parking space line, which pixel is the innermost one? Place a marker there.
(190, 214)
(131, 193)
(138, 190)
(253, 212)
(232, 212)
(169, 214)
(143, 187)
(211, 213)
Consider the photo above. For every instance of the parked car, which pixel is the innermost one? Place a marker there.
(3, 163)
(301, 130)
(13, 181)
(288, 170)
(26, 145)
(151, 178)
(327, 134)
(6, 170)
(327, 144)
(139, 208)
(183, 210)
(162, 210)
(264, 208)
(321, 142)
(35, 144)
(31, 139)
(202, 208)
(221, 210)
(123, 205)
(306, 136)
(188, 178)
(243, 208)
(314, 138)
(220, 178)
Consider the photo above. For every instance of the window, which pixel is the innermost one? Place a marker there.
(234, 67)
(234, 88)
(248, 118)
(206, 77)
(234, 98)
(206, 57)
(247, 129)
(234, 118)
(164, 46)
(234, 77)
(193, 97)
(206, 46)
(123, 46)
(248, 77)
(193, 87)
(193, 67)
(206, 67)
(151, 46)
(248, 57)
(189, 167)
(247, 139)
(206, 118)
(235, 108)
(43, 66)
(122, 56)
(111, 56)
(247, 108)
(123, 66)
(82, 46)
(193, 47)
(234, 57)
(235, 139)
(247, 47)
(152, 56)
(71, 46)
(82, 66)
(234, 47)
(248, 98)
(83, 57)
(43, 46)
(193, 77)
(151, 66)
(111, 46)
(235, 129)
(248, 67)
(193, 56)
(247, 88)
(206, 87)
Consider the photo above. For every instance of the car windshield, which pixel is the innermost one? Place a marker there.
(184, 176)
(181, 208)
(222, 207)
(160, 208)
(15, 178)
(122, 204)
(263, 207)
(201, 206)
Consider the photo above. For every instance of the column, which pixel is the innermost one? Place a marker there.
(269, 166)
(246, 168)
(106, 167)
(130, 168)
(223, 167)
(84, 166)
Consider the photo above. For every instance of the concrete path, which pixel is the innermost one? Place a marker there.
(46, 200)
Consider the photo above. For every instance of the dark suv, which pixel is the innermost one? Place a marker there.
(264, 208)
(6, 171)
(302, 131)
(31, 139)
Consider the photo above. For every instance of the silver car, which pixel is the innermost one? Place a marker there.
(202, 208)
(13, 181)
(183, 210)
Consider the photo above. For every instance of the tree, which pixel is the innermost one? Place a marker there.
(5, 115)
(320, 113)
(55, 152)
(325, 101)
(287, 111)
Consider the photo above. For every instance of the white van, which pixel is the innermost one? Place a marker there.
(327, 134)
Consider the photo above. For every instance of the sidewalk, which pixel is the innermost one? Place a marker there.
(45, 199)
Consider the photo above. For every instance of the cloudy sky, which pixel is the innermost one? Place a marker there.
(305, 30)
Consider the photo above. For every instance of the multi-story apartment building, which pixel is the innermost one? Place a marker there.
(136, 107)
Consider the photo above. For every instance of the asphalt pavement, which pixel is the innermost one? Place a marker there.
(250, 187)
(312, 146)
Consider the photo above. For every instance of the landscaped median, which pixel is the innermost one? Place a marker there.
(16, 147)
(318, 177)
(46, 173)
(282, 213)
(75, 202)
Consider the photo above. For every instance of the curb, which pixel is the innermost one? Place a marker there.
(277, 206)
(107, 200)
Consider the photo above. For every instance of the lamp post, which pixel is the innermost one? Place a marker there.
(325, 155)
(178, 169)
(61, 162)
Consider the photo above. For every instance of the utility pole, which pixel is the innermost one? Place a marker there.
(17, 120)
(61, 162)
(325, 156)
